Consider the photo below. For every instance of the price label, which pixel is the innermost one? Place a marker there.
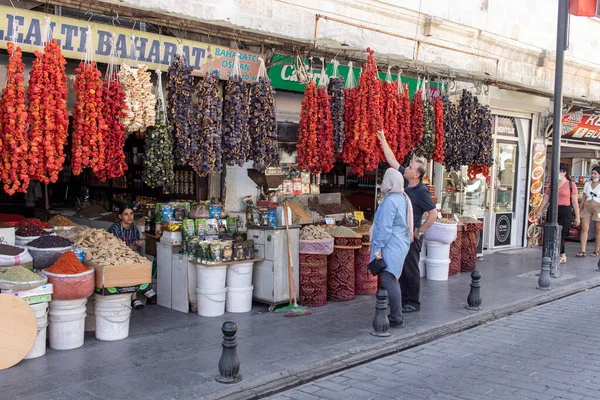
(359, 216)
(329, 221)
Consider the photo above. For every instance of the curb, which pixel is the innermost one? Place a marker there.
(287, 379)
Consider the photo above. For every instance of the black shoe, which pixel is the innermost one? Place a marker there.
(152, 301)
(409, 308)
(397, 325)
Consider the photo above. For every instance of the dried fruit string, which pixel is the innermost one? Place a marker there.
(405, 142)
(236, 137)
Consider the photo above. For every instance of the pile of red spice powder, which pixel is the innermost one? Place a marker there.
(68, 264)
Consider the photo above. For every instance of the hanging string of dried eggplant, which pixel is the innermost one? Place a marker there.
(453, 151)
(180, 89)
(158, 161)
(427, 146)
(264, 149)
(236, 136)
(335, 89)
(209, 132)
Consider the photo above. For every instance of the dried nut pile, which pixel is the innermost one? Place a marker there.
(60, 220)
(104, 248)
(313, 232)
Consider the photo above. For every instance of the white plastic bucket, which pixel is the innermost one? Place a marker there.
(90, 319)
(239, 275)
(438, 251)
(211, 278)
(239, 300)
(437, 270)
(113, 314)
(66, 328)
(41, 315)
(211, 303)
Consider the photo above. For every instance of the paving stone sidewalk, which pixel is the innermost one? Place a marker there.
(546, 353)
(172, 355)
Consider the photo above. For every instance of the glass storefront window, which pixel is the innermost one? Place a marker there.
(463, 196)
(506, 163)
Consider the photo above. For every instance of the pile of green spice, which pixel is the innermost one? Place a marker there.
(19, 274)
(344, 232)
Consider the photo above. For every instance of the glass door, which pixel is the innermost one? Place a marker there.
(506, 160)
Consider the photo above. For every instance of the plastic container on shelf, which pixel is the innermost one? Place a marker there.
(72, 287)
(211, 278)
(66, 327)
(113, 314)
(437, 270)
(41, 315)
(239, 300)
(44, 258)
(211, 303)
(240, 275)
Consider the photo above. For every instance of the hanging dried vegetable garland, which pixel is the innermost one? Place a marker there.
(307, 130)
(405, 142)
(390, 110)
(335, 88)
(14, 145)
(89, 125)
(325, 136)
(466, 115)
(483, 142)
(438, 155)
(351, 113)
(180, 89)
(417, 120)
(209, 134)
(363, 148)
(139, 98)
(114, 141)
(264, 149)
(452, 139)
(236, 137)
(158, 160)
(427, 146)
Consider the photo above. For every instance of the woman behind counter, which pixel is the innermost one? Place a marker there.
(128, 233)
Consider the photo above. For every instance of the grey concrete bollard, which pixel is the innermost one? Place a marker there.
(544, 279)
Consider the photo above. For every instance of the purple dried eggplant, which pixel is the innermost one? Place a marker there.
(336, 91)
(236, 136)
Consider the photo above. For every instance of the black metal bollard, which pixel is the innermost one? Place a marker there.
(381, 323)
(474, 297)
(544, 279)
(229, 365)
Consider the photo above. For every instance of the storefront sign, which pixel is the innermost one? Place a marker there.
(154, 50)
(537, 196)
(580, 123)
(505, 126)
(283, 75)
(502, 230)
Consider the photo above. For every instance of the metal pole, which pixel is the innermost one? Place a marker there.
(552, 230)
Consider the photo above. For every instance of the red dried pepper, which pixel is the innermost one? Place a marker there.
(389, 111)
(89, 126)
(438, 155)
(15, 143)
(474, 170)
(405, 142)
(416, 120)
(325, 150)
(114, 141)
(307, 130)
(362, 151)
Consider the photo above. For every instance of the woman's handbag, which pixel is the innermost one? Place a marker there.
(377, 266)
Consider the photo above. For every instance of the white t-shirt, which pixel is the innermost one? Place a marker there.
(592, 194)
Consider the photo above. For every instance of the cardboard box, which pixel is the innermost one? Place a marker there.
(40, 294)
(121, 276)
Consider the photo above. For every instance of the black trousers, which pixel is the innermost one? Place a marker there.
(410, 280)
(564, 220)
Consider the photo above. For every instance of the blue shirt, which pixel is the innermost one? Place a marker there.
(390, 234)
(129, 236)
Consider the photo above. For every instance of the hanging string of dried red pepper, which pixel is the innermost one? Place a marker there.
(416, 120)
(438, 155)
(390, 110)
(14, 147)
(114, 142)
(405, 141)
(307, 130)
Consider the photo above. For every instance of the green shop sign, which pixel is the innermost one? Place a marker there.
(283, 75)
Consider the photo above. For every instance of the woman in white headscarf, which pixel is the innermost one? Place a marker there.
(391, 236)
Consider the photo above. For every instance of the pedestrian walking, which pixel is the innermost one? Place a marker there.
(410, 280)
(590, 211)
(391, 235)
(567, 203)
